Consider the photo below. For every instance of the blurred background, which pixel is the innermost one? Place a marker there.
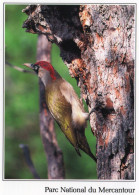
(22, 107)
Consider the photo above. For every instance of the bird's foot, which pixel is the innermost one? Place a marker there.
(93, 110)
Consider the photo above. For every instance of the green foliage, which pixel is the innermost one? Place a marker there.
(22, 107)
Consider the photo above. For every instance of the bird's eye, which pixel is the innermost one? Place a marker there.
(35, 67)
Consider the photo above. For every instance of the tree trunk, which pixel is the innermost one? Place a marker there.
(52, 150)
(97, 43)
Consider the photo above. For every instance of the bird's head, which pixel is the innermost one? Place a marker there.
(43, 68)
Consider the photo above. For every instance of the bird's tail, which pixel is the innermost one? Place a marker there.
(89, 153)
(92, 156)
(83, 144)
(78, 151)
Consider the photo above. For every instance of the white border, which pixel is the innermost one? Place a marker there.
(35, 187)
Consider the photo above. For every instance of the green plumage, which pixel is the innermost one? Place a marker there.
(61, 110)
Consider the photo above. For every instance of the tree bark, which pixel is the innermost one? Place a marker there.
(97, 43)
(52, 150)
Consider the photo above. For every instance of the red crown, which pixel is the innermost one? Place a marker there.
(47, 66)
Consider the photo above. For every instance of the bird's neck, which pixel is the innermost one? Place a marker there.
(47, 78)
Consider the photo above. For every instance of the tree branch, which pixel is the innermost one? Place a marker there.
(18, 68)
(52, 150)
(28, 160)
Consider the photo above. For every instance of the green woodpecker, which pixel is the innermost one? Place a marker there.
(64, 105)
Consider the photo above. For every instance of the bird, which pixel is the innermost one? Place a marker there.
(64, 105)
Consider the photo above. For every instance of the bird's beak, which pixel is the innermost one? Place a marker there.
(29, 65)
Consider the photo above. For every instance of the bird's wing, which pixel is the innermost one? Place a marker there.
(61, 110)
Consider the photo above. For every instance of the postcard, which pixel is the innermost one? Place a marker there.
(69, 97)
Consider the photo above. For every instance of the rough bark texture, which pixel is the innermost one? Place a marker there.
(52, 150)
(97, 43)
